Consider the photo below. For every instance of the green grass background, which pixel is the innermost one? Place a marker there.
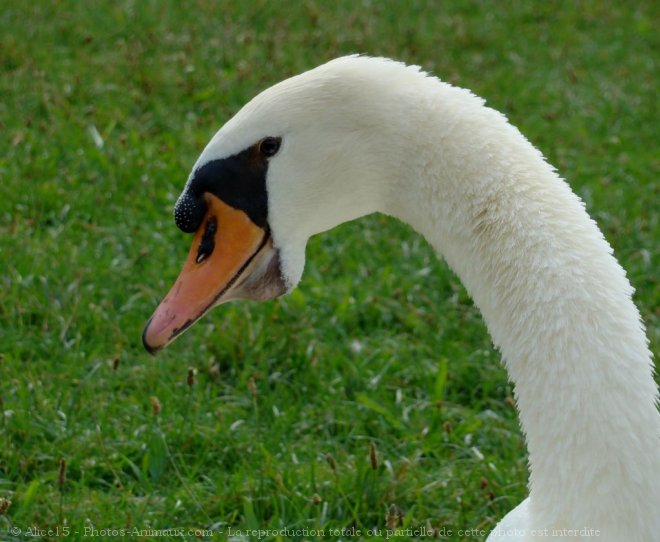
(380, 343)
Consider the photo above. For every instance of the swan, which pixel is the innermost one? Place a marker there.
(359, 135)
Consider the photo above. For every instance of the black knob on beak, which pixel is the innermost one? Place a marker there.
(189, 211)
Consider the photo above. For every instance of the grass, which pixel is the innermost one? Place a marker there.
(371, 396)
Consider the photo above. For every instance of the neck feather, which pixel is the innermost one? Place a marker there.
(557, 305)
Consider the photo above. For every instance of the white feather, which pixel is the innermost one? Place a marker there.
(364, 134)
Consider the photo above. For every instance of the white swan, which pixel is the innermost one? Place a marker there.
(359, 135)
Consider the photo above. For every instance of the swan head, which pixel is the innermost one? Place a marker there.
(300, 158)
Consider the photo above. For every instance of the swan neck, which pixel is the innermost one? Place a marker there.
(557, 305)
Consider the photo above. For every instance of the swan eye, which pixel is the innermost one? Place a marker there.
(269, 146)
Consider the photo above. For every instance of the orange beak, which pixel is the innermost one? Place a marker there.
(227, 249)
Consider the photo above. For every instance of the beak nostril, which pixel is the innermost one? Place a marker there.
(207, 244)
